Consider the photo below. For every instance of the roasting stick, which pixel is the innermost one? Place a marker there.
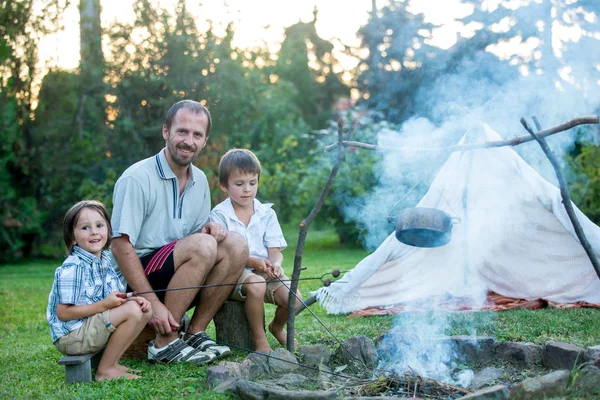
(336, 272)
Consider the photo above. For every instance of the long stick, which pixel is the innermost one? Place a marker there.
(566, 198)
(592, 119)
(131, 294)
(304, 225)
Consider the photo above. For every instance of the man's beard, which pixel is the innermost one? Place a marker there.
(177, 159)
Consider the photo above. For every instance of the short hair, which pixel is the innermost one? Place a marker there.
(192, 106)
(72, 217)
(238, 159)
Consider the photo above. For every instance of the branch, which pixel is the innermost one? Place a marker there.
(304, 225)
(564, 192)
(592, 119)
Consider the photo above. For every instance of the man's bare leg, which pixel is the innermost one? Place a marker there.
(232, 256)
(194, 257)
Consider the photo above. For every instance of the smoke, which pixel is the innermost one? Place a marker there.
(482, 90)
(485, 88)
(418, 344)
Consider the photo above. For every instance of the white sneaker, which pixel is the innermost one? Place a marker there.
(178, 351)
(201, 341)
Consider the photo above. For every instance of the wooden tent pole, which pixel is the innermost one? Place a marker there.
(566, 198)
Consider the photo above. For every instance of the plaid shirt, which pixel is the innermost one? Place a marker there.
(82, 279)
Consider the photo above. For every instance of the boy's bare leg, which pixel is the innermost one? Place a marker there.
(129, 321)
(194, 256)
(255, 312)
(232, 255)
(281, 313)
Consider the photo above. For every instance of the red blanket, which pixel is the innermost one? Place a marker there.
(495, 302)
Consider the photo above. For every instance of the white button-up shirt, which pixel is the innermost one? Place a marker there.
(263, 230)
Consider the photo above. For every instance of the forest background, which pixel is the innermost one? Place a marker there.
(71, 136)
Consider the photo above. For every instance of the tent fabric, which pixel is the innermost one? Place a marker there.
(514, 239)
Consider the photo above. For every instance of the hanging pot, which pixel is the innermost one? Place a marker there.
(424, 227)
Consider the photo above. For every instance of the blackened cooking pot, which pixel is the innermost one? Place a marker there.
(424, 227)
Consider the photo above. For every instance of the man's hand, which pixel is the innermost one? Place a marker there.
(162, 320)
(144, 303)
(215, 230)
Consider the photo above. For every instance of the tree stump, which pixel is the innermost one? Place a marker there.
(139, 348)
(232, 326)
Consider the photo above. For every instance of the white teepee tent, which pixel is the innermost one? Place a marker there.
(514, 239)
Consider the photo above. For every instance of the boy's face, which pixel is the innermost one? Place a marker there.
(91, 231)
(242, 188)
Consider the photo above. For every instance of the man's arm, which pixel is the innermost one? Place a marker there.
(129, 263)
(131, 267)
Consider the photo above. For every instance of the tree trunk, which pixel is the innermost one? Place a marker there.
(90, 115)
(90, 34)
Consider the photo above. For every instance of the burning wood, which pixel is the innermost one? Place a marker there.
(410, 386)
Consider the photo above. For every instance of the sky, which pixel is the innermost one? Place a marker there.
(258, 20)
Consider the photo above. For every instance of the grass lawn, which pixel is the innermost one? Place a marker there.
(29, 370)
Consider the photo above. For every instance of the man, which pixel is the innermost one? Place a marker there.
(163, 239)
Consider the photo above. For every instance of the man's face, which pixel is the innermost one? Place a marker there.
(186, 137)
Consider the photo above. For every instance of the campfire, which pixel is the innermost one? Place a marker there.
(503, 370)
(410, 386)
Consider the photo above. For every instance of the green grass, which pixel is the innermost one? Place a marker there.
(29, 370)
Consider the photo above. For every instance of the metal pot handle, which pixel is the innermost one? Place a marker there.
(456, 220)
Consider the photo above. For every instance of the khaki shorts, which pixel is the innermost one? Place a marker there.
(272, 286)
(89, 337)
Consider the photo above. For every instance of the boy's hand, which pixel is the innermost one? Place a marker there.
(145, 305)
(277, 270)
(113, 300)
(259, 264)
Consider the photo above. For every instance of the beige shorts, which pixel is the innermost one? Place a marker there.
(272, 286)
(89, 337)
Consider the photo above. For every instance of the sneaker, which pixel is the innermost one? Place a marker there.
(201, 341)
(178, 351)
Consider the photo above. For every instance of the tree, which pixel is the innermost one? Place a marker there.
(20, 30)
(307, 61)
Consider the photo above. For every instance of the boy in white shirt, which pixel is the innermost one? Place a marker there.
(239, 173)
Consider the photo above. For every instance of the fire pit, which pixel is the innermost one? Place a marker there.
(511, 370)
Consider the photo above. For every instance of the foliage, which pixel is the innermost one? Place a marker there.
(307, 61)
(69, 151)
(584, 181)
(21, 219)
(396, 62)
